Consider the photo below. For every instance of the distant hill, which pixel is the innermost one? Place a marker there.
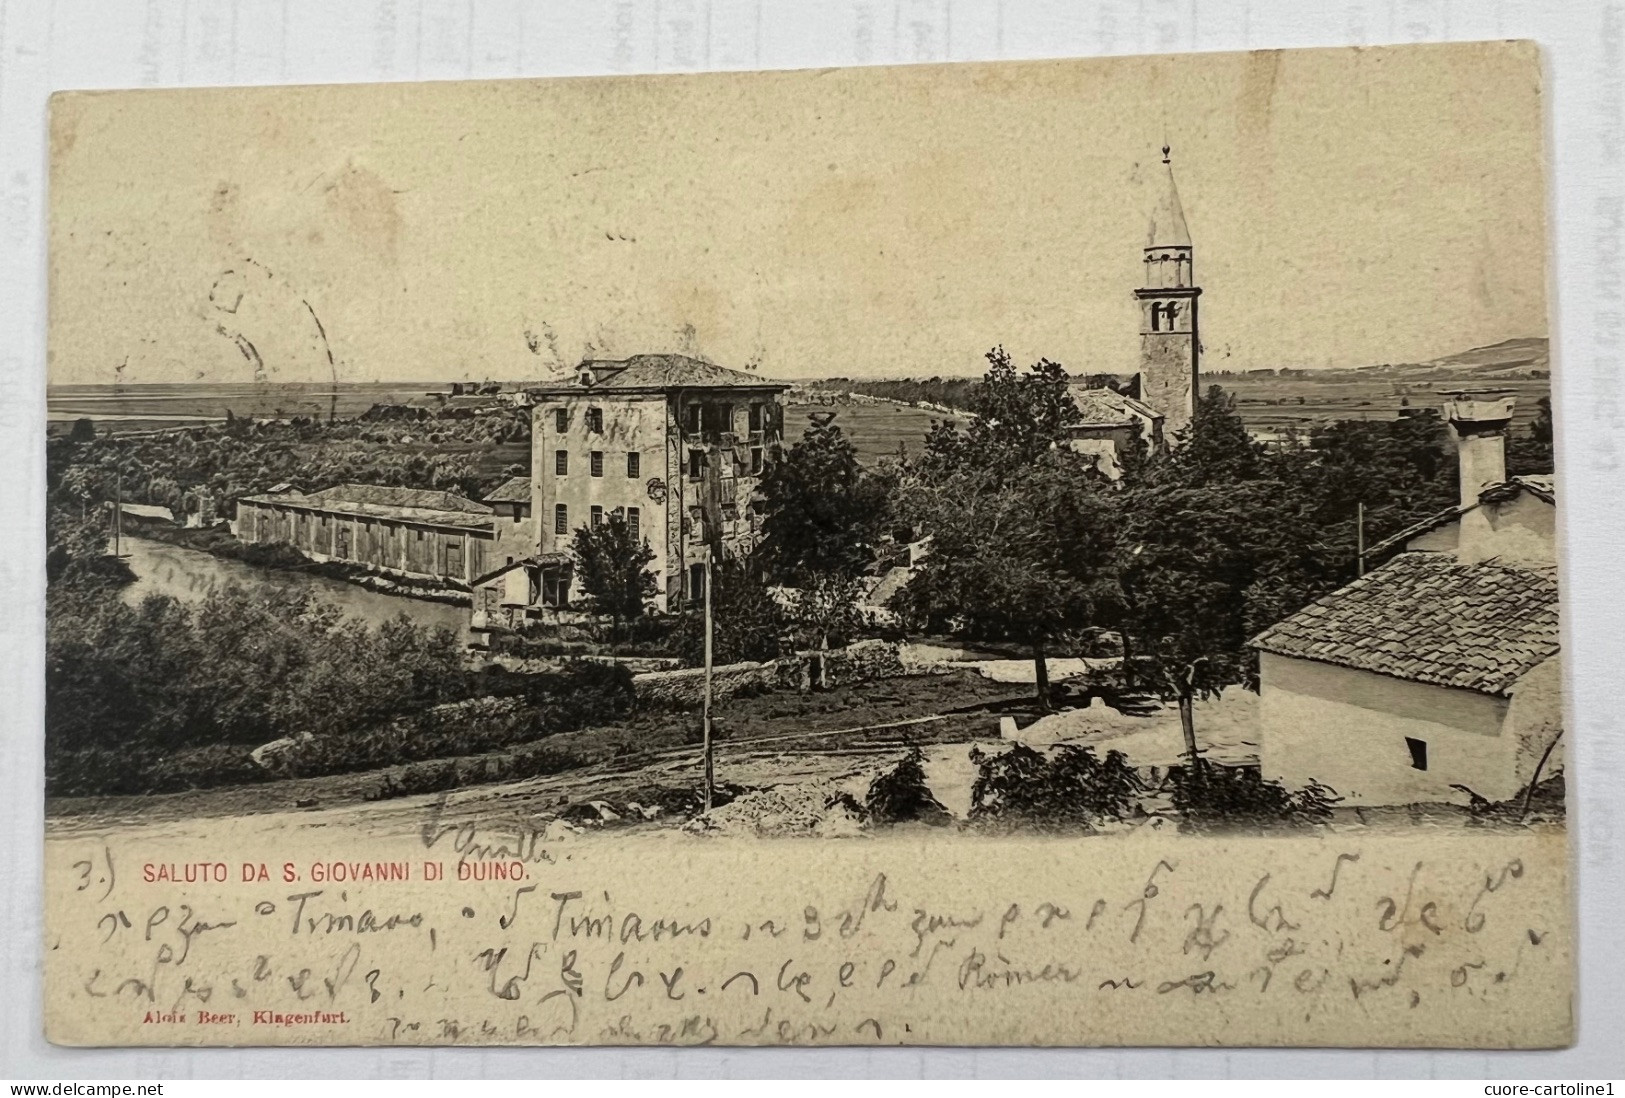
(1509, 358)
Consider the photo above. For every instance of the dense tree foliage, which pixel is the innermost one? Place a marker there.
(823, 511)
(612, 567)
(237, 667)
(1020, 526)
(451, 451)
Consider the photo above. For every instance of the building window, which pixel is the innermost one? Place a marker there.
(561, 420)
(696, 581)
(1419, 753)
(755, 417)
(420, 535)
(516, 516)
(598, 463)
(595, 420)
(632, 522)
(597, 514)
(693, 419)
(561, 519)
(755, 460)
(696, 464)
(561, 463)
(634, 464)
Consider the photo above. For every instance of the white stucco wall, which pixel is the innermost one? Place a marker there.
(1522, 530)
(1534, 720)
(1347, 729)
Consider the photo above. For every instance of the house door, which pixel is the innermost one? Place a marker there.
(454, 558)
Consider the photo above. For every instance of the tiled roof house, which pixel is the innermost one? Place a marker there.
(1437, 676)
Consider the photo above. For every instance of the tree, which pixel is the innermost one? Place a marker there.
(1017, 555)
(825, 609)
(84, 430)
(1532, 451)
(748, 622)
(1020, 525)
(1018, 417)
(823, 512)
(1186, 564)
(612, 566)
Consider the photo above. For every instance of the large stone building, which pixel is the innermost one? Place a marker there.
(1438, 675)
(406, 532)
(672, 445)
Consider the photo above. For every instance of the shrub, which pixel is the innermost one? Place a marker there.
(1209, 797)
(539, 705)
(901, 794)
(1070, 789)
(106, 771)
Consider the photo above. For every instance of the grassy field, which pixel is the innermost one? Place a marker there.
(1280, 403)
(1268, 403)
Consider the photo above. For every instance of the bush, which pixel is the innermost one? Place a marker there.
(1068, 790)
(901, 794)
(1213, 798)
(538, 706)
(105, 771)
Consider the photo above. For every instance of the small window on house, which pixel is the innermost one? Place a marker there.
(561, 420)
(510, 560)
(598, 463)
(696, 581)
(696, 464)
(632, 522)
(692, 419)
(755, 417)
(561, 463)
(595, 420)
(420, 535)
(755, 460)
(516, 516)
(1419, 753)
(561, 518)
(634, 464)
(597, 515)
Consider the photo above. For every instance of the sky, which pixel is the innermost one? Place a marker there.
(1348, 207)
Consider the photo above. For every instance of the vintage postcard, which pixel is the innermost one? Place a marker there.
(1049, 553)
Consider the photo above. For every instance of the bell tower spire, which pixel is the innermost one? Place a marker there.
(1170, 344)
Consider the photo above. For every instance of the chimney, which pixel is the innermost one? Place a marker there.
(1478, 420)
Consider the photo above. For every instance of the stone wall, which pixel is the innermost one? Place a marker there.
(685, 689)
(860, 662)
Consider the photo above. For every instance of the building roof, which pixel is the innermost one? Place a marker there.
(543, 560)
(1428, 618)
(1542, 486)
(382, 502)
(652, 373)
(512, 490)
(1101, 407)
(1168, 228)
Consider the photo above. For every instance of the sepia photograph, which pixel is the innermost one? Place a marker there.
(1066, 551)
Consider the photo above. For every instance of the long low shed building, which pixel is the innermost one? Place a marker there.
(403, 531)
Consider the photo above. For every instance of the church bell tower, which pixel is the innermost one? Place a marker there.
(1170, 342)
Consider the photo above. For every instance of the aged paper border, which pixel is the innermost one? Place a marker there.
(162, 44)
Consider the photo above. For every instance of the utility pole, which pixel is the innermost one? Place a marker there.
(118, 512)
(710, 772)
(1359, 539)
